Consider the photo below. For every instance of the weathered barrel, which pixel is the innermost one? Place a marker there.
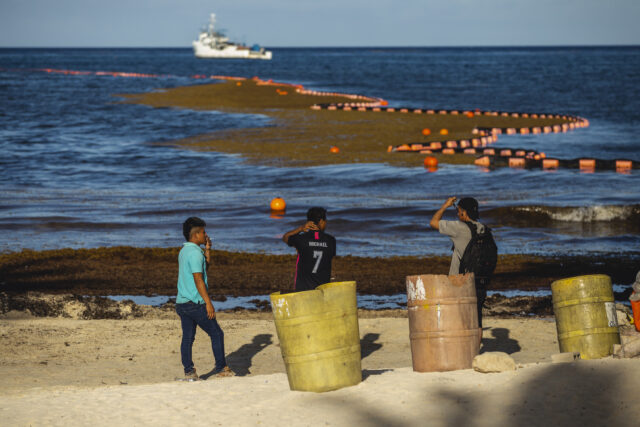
(443, 321)
(319, 336)
(585, 315)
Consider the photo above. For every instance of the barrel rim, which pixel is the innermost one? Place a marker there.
(560, 283)
(332, 353)
(441, 301)
(320, 316)
(455, 333)
(559, 302)
(576, 333)
(320, 288)
(435, 275)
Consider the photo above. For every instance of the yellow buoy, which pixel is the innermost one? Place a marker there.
(585, 315)
(319, 336)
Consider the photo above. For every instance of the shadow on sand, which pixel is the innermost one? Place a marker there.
(240, 360)
(500, 342)
(369, 345)
(575, 394)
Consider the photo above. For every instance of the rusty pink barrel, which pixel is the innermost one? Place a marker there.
(443, 322)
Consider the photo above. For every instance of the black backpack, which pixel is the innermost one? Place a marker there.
(481, 254)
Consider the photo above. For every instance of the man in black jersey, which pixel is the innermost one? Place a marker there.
(315, 249)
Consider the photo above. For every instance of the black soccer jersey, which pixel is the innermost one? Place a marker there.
(315, 249)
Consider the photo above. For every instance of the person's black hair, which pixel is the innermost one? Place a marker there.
(316, 214)
(470, 205)
(191, 223)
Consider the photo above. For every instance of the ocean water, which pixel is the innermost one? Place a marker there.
(80, 169)
(369, 302)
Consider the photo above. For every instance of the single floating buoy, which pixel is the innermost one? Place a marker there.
(430, 162)
(238, 83)
(426, 131)
(444, 132)
(469, 114)
(334, 149)
(278, 204)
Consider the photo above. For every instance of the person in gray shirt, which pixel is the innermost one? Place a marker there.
(460, 235)
(458, 231)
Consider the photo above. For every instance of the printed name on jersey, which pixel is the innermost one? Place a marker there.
(323, 244)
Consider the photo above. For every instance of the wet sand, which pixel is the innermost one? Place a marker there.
(300, 136)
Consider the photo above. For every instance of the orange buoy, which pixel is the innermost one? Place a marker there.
(238, 83)
(444, 132)
(635, 309)
(334, 149)
(426, 131)
(430, 162)
(469, 114)
(278, 204)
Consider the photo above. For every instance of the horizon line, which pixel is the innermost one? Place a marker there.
(338, 47)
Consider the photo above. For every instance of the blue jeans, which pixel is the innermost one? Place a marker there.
(192, 315)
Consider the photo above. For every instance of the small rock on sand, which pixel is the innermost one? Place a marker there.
(493, 361)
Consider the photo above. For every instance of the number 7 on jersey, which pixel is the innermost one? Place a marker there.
(318, 255)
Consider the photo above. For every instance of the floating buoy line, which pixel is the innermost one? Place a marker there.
(496, 157)
(362, 100)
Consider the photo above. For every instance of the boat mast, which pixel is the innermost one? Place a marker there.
(212, 23)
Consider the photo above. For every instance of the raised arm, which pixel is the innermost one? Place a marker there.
(207, 251)
(310, 225)
(435, 221)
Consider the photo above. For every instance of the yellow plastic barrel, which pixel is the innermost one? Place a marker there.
(585, 315)
(319, 336)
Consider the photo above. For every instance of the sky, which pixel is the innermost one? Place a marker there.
(315, 23)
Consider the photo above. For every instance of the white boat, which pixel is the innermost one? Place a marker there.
(214, 44)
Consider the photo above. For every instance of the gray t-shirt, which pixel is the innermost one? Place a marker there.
(460, 235)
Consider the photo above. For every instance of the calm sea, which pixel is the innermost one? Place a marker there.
(79, 169)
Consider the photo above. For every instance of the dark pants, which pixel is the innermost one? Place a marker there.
(481, 294)
(192, 315)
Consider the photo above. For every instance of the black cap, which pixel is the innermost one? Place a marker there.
(470, 205)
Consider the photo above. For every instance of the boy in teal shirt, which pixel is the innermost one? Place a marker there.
(193, 304)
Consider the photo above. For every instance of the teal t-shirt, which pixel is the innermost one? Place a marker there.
(190, 260)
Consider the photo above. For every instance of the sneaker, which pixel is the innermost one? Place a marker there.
(191, 376)
(225, 372)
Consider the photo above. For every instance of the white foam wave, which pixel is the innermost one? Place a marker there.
(593, 213)
(585, 213)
